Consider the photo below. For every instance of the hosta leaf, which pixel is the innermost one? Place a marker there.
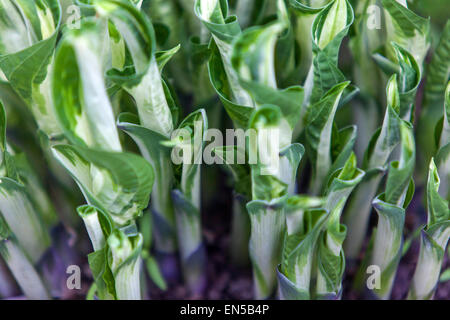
(438, 71)
(240, 114)
(196, 123)
(331, 266)
(342, 182)
(437, 206)
(224, 30)
(149, 143)
(118, 183)
(308, 6)
(290, 158)
(98, 225)
(253, 54)
(192, 250)
(298, 253)
(342, 147)
(400, 172)
(267, 231)
(26, 65)
(318, 133)
(79, 94)
(240, 172)
(384, 141)
(388, 242)
(331, 262)
(408, 81)
(126, 264)
(376, 156)
(329, 28)
(296, 207)
(143, 79)
(24, 221)
(434, 239)
(20, 265)
(408, 29)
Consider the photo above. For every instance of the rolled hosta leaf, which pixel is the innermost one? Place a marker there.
(296, 207)
(290, 158)
(238, 113)
(22, 218)
(118, 183)
(267, 221)
(269, 193)
(436, 82)
(256, 74)
(79, 94)
(224, 29)
(407, 29)
(443, 154)
(367, 39)
(187, 200)
(409, 78)
(192, 249)
(305, 13)
(149, 143)
(99, 227)
(329, 28)
(378, 152)
(318, 134)
(28, 35)
(126, 264)
(400, 172)
(434, 239)
(388, 242)
(330, 257)
(196, 123)
(296, 269)
(20, 265)
(142, 79)
(253, 54)
(390, 207)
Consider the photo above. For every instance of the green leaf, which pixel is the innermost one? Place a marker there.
(22, 218)
(138, 33)
(318, 133)
(329, 28)
(97, 223)
(155, 273)
(388, 242)
(79, 93)
(400, 172)
(21, 267)
(407, 29)
(224, 30)
(230, 156)
(239, 113)
(438, 71)
(26, 65)
(150, 145)
(118, 183)
(189, 234)
(267, 231)
(126, 264)
(437, 207)
(298, 256)
(196, 123)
